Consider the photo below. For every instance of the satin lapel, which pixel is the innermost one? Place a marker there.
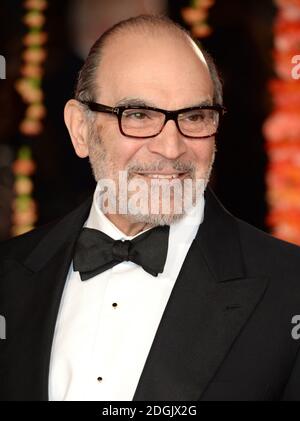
(40, 281)
(210, 302)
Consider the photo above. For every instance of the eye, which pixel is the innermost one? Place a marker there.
(136, 115)
(195, 117)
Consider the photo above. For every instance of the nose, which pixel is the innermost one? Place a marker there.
(169, 143)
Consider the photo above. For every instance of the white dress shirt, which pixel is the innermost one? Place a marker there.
(106, 325)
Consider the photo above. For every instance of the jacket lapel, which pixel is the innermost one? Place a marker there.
(210, 302)
(43, 274)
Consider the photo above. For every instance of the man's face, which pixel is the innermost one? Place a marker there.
(163, 72)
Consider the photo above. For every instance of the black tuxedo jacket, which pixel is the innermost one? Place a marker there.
(225, 334)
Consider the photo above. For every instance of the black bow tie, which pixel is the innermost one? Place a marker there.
(96, 252)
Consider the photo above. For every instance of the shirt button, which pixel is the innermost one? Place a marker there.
(115, 305)
(99, 379)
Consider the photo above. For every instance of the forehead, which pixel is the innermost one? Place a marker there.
(163, 69)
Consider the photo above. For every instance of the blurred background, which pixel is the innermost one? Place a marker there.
(238, 34)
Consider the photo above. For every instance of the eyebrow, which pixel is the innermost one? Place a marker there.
(134, 101)
(145, 103)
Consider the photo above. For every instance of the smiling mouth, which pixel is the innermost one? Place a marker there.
(168, 176)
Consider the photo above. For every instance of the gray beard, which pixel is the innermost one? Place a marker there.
(98, 162)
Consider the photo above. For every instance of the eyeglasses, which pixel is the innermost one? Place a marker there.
(144, 122)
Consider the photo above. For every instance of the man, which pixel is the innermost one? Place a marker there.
(124, 299)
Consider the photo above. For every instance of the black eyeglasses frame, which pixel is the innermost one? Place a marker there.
(169, 115)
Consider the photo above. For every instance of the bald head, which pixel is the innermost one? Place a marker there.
(133, 38)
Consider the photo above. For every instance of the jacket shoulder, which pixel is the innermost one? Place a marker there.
(251, 231)
(268, 252)
(21, 245)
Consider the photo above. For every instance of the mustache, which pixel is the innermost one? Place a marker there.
(178, 166)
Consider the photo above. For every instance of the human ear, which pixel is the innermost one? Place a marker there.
(76, 123)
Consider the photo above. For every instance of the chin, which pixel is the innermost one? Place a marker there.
(156, 219)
